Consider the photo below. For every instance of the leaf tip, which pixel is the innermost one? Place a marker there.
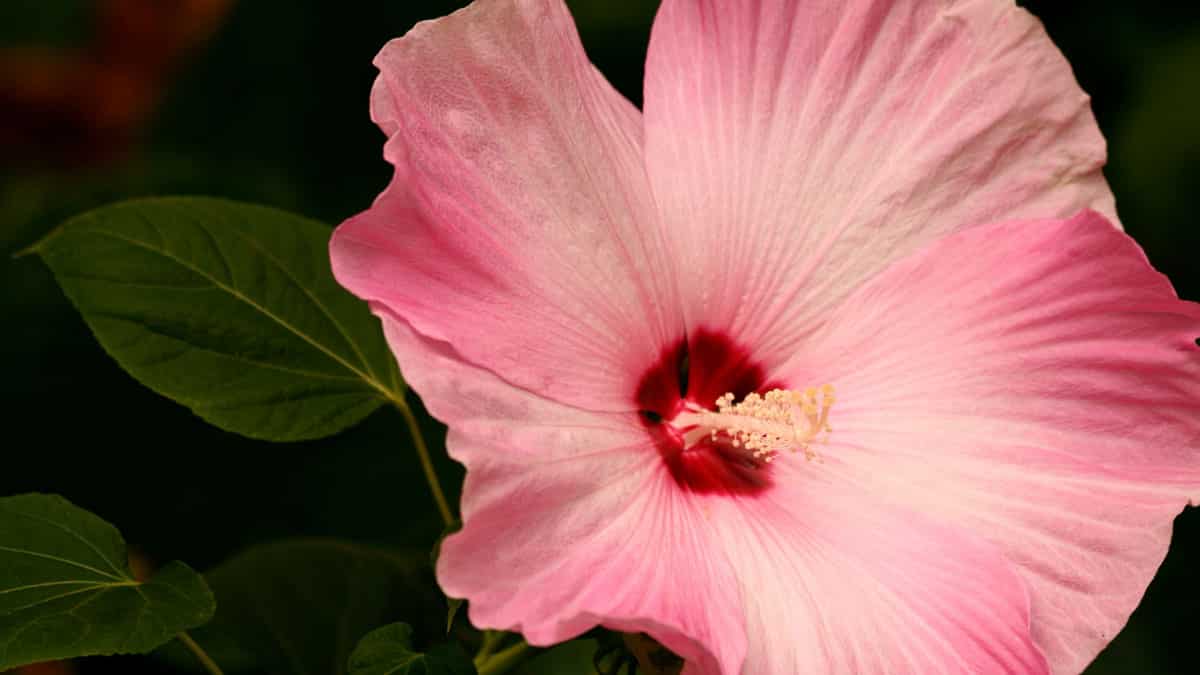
(27, 251)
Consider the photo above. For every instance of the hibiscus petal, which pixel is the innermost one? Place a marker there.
(570, 518)
(519, 208)
(554, 549)
(1038, 383)
(839, 581)
(795, 148)
(517, 423)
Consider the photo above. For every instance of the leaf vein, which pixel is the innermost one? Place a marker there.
(65, 561)
(226, 355)
(70, 582)
(362, 358)
(254, 305)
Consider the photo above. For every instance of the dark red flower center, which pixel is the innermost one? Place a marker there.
(696, 371)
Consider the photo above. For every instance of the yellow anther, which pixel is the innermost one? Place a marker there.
(765, 424)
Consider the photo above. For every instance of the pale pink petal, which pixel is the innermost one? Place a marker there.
(1036, 382)
(839, 581)
(795, 148)
(570, 518)
(554, 549)
(516, 423)
(518, 225)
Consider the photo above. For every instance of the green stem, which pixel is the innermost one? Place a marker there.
(426, 462)
(504, 660)
(201, 655)
(491, 640)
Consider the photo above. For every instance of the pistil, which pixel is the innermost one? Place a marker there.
(762, 425)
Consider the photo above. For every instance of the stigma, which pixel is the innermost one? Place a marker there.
(761, 426)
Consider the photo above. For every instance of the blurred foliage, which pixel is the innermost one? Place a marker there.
(389, 651)
(273, 108)
(280, 603)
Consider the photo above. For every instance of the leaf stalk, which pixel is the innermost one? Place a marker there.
(504, 660)
(201, 655)
(435, 486)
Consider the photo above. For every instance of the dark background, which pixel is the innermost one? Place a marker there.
(270, 105)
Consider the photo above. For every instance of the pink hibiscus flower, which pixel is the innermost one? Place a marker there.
(628, 321)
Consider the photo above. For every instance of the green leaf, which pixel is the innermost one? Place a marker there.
(298, 607)
(66, 589)
(229, 309)
(389, 651)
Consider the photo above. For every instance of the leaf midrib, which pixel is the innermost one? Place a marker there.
(362, 357)
(235, 293)
(65, 561)
(239, 358)
(102, 587)
(91, 583)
